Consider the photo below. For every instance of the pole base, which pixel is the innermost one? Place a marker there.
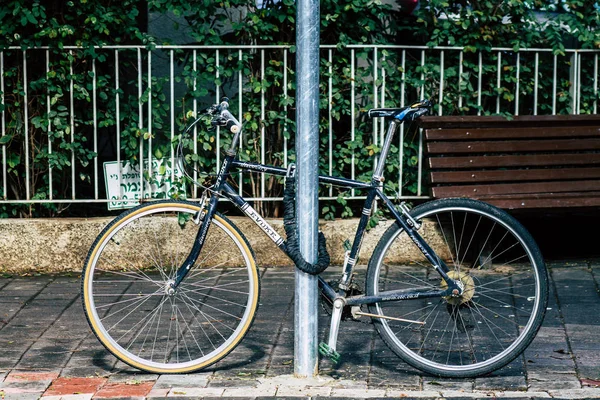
(327, 351)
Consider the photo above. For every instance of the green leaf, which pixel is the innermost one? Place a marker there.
(5, 139)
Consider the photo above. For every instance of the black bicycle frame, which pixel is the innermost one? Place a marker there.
(373, 190)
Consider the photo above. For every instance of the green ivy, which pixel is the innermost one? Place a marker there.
(59, 133)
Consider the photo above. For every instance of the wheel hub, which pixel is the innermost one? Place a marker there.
(170, 288)
(467, 283)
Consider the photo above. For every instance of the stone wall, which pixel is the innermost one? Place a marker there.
(61, 245)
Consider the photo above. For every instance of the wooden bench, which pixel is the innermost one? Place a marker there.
(533, 162)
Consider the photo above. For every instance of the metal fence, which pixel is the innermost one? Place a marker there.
(56, 122)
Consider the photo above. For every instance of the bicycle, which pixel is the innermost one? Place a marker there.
(469, 303)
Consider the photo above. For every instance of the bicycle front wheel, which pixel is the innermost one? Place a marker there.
(503, 302)
(126, 281)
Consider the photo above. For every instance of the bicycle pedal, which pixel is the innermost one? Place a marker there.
(327, 351)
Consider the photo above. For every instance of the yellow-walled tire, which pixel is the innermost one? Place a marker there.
(126, 296)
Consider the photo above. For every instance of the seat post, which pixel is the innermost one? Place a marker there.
(385, 149)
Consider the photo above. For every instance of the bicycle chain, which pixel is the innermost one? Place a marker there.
(347, 313)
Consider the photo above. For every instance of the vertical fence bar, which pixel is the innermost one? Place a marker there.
(573, 74)
(218, 100)
(420, 154)
(382, 100)
(554, 84)
(118, 123)
(172, 108)
(401, 144)
(48, 109)
(141, 123)
(498, 82)
(241, 118)
(72, 122)
(3, 125)
(535, 83)
(352, 116)
(375, 101)
(579, 84)
(95, 124)
(262, 121)
(307, 200)
(285, 108)
(479, 80)
(150, 115)
(517, 88)
(195, 131)
(595, 82)
(460, 78)
(329, 116)
(420, 165)
(441, 95)
(26, 124)
(422, 94)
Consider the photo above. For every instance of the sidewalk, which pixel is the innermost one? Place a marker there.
(47, 350)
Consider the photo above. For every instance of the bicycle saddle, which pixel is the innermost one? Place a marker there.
(410, 113)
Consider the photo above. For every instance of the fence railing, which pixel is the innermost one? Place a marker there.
(95, 125)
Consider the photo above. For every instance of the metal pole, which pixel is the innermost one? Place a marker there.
(307, 201)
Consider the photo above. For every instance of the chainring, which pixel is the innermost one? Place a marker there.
(348, 311)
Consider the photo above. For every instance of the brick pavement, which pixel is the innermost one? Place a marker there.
(48, 351)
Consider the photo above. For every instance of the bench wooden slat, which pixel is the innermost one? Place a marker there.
(515, 188)
(522, 121)
(555, 174)
(513, 133)
(555, 200)
(506, 161)
(513, 146)
(510, 204)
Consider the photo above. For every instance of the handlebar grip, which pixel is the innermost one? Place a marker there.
(232, 126)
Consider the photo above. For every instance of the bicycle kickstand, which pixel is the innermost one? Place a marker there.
(328, 349)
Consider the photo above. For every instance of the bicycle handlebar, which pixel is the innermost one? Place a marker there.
(222, 117)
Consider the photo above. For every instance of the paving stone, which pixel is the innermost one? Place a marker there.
(67, 386)
(195, 392)
(409, 394)
(585, 393)
(440, 384)
(250, 392)
(283, 391)
(21, 396)
(161, 393)
(85, 370)
(181, 381)
(83, 396)
(228, 383)
(133, 379)
(552, 381)
(28, 376)
(123, 390)
(512, 383)
(358, 393)
(23, 387)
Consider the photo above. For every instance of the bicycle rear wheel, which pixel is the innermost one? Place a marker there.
(125, 288)
(500, 310)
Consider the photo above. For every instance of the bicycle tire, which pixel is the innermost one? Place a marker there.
(125, 297)
(502, 306)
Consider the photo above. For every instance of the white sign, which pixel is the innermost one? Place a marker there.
(122, 191)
